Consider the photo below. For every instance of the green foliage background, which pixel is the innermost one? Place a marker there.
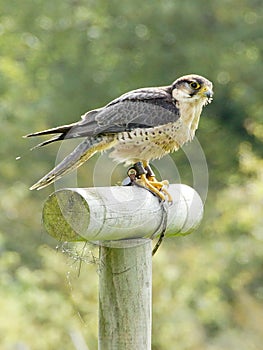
(62, 58)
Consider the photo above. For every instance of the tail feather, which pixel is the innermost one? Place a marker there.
(80, 155)
(58, 130)
(44, 143)
(61, 130)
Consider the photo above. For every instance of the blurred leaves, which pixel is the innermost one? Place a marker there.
(60, 59)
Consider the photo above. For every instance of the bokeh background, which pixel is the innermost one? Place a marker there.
(59, 59)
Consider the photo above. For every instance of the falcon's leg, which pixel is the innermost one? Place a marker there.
(143, 175)
(158, 184)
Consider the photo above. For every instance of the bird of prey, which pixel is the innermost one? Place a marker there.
(139, 126)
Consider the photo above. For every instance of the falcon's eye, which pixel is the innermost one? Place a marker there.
(194, 85)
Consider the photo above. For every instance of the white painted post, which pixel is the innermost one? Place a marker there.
(121, 220)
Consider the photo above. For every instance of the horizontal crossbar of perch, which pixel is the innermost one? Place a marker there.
(119, 212)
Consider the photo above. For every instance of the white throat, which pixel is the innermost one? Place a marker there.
(190, 110)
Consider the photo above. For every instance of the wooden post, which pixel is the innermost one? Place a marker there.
(121, 220)
(125, 296)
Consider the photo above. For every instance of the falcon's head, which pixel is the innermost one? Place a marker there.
(190, 88)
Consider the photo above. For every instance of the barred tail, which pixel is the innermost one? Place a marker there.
(80, 155)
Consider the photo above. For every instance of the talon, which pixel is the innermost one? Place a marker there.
(169, 197)
(155, 187)
(165, 183)
(142, 175)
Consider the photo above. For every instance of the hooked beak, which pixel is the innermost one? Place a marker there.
(206, 92)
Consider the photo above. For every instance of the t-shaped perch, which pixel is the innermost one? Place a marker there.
(121, 220)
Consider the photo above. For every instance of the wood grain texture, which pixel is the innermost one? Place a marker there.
(125, 296)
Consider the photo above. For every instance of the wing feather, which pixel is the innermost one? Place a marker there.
(142, 108)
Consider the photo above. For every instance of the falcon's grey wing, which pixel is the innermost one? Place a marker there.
(141, 108)
(143, 94)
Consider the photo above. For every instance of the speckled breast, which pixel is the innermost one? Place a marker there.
(149, 143)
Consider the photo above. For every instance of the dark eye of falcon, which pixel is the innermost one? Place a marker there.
(194, 85)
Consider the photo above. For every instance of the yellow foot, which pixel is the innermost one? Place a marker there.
(155, 186)
(142, 174)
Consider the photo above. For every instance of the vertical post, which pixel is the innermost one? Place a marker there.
(125, 295)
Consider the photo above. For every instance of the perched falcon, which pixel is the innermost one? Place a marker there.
(139, 126)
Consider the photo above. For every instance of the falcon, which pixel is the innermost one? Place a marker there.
(139, 126)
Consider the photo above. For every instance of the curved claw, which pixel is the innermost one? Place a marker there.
(157, 187)
(142, 175)
(169, 197)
